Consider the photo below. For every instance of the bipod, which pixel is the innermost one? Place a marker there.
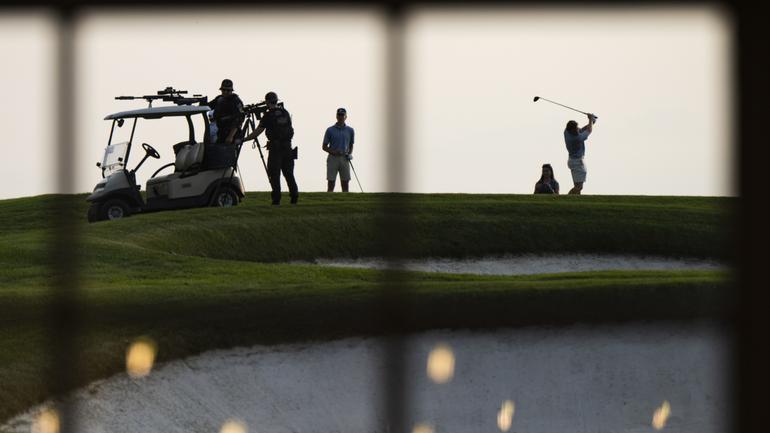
(250, 127)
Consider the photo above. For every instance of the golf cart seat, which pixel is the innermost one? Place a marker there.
(189, 157)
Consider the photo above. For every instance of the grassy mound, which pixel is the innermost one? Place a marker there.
(200, 279)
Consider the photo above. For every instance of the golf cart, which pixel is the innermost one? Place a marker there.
(203, 172)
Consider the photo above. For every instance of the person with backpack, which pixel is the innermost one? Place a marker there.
(280, 159)
(338, 143)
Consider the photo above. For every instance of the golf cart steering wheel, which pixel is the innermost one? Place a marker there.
(150, 151)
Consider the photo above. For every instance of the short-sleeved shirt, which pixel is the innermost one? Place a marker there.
(277, 124)
(339, 138)
(576, 144)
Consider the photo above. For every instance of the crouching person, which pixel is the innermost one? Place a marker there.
(547, 183)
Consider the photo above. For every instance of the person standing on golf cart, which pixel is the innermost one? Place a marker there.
(280, 159)
(547, 183)
(338, 143)
(575, 140)
(228, 113)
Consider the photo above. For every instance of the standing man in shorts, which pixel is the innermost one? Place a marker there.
(575, 139)
(338, 143)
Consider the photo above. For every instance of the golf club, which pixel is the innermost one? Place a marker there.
(356, 174)
(553, 102)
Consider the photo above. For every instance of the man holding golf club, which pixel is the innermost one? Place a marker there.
(575, 139)
(338, 143)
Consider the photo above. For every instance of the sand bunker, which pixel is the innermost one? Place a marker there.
(578, 379)
(532, 264)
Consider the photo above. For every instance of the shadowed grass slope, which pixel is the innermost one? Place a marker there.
(206, 278)
(446, 225)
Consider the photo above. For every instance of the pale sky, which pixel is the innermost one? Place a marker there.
(658, 78)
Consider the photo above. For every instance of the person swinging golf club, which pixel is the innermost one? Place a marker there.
(338, 143)
(575, 140)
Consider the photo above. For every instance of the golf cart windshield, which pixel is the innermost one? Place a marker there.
(114, 157)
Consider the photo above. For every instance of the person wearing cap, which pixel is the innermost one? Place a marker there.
(338, 143)
(575, 139)
(228, 113)
(280, 159)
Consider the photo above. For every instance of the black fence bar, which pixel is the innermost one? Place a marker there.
(64, 237)
(750, 371)
(395, 229)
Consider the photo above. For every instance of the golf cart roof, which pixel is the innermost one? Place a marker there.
(157, 112)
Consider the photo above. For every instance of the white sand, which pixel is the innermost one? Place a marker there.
(531, 264)
(579, 379)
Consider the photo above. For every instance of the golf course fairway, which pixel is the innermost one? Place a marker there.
(219, 278)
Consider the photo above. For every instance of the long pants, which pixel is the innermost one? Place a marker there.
(279, 160)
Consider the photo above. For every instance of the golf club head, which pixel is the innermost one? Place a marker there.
(536, 98)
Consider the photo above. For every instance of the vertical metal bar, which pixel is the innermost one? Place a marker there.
(395, 229)
(395, 98)
(130, 143)
(753, 357)
(64, 317)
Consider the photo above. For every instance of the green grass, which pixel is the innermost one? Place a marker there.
(208, 278)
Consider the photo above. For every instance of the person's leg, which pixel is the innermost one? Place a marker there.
(578, 169)
(345, 174)
(288, 173)
(274, 171)
(331, 173)
(222, 135)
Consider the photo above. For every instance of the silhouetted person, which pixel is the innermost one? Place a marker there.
(280, 159)
(338, 143)
(228, 113)
(575, 139)
(547, 183)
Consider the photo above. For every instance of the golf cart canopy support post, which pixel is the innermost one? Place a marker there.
(191, 128)
(130, 143)
(112, 131)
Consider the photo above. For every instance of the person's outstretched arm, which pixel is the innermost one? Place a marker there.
(589, 127)
(255, 134)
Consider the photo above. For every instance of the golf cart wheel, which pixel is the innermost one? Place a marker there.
(115, 209)
(225, 197)
(93, 212)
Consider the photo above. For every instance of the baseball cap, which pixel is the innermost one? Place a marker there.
(341, 111)
(226, 85)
